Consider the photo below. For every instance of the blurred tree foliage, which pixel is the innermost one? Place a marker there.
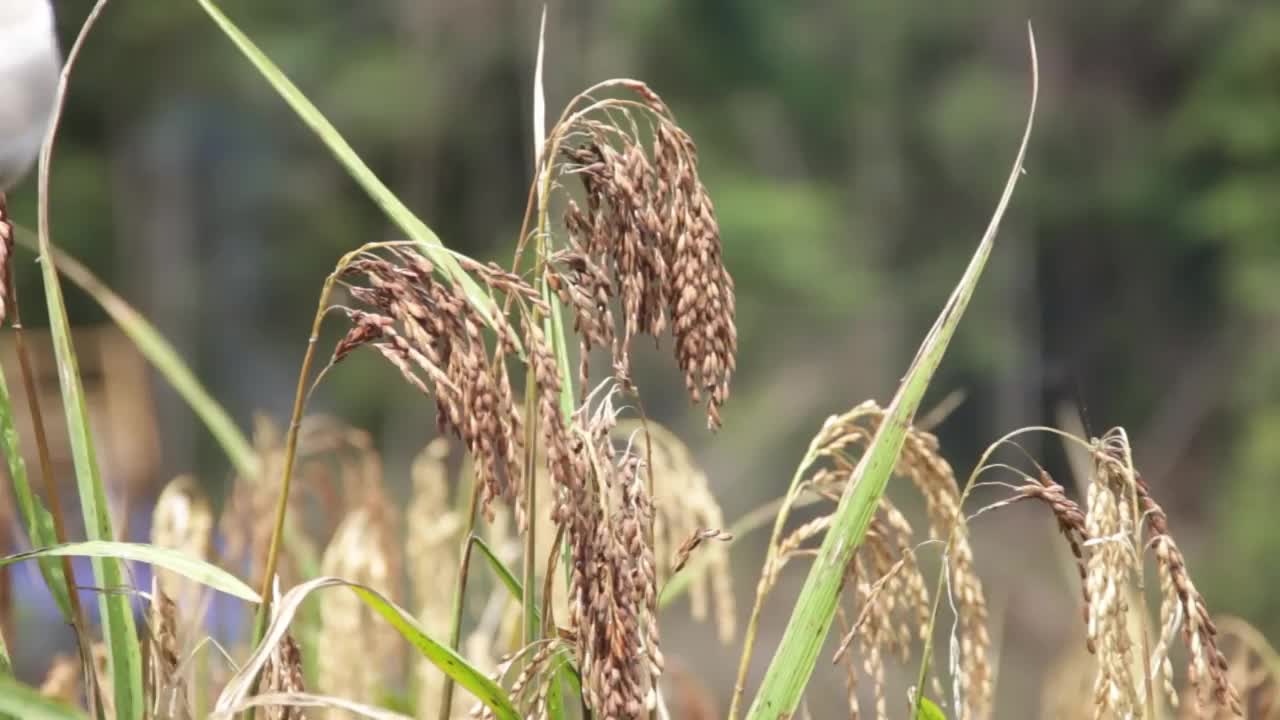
(854, 150)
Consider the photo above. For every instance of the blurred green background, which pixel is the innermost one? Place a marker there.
(854, 150)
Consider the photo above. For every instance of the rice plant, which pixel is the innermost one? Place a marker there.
(551, 520)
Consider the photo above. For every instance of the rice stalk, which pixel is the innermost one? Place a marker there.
(119, 630)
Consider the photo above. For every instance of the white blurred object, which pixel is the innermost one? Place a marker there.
(29, 65)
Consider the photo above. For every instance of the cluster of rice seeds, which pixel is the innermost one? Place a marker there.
(429, 331)
(839, 443)
(538, 664)
(686, 511)
(1182, 605)
(613, 588)
(183, 520)
(283, 674)
(891, 600)
(1111, 566)
(432, 550)
(363, 550)
(1107, 543)
(933, 476)
(166, 688)
(649, 218)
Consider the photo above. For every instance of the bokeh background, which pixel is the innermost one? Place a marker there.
(854, 150)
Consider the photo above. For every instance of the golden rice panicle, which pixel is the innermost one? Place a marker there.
(431, 546)
(687, 517)
(183, 520)
(363, 550)
(1182, 605)
(840, 441)
(538, 665)
(1111, 524)
(165, 685)
(891, 602)
(933, 476)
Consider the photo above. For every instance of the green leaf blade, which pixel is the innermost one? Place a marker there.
(174, 561)
(451, 663)
(797, 653)
(36, 518)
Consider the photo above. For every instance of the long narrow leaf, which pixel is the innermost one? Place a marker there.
(189, 567)
(793, 663)
(35, 516)
(21, 701)
(505, 576)
(396, 210)
(452, 664)
(309, 700)
(118, 629)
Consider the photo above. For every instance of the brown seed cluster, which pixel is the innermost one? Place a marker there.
(613, 593)
(1207, 670)
(429, 331)
(166, 688)
(648, 219)
(283, 674)
(687, 518)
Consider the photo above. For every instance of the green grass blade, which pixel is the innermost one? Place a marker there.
(477, 683)
(396, 210)
(118, 629)
(793, 662)
(504, 575)
(451, 663)
(185, 565)
(929, 710)
(162, 356)
(35, 516)
(21, 701)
